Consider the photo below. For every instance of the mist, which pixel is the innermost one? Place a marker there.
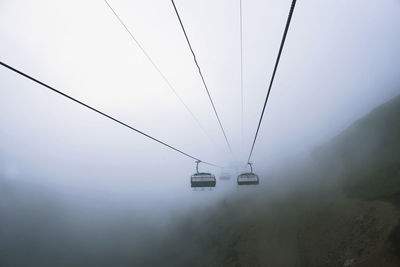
(78, 189)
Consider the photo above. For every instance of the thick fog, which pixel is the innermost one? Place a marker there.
(340, 60)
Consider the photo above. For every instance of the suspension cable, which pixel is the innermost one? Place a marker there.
(100, 112)
(160, 72)
(241, 71)
(273, 73)
(201, 75)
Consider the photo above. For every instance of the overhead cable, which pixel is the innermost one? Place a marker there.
(100, 112)
(202, 77)
(159, 71)
(241, 69)
(273, 74)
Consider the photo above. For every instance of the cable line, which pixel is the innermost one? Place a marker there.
(100, 112)
(160, 72)
(273, 74)
(241, 70)
(201, 75)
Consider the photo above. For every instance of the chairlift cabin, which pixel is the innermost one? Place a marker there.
(202, 179)
(224, 176)
(248, 178)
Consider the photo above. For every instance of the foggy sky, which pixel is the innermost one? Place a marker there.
(340, 60)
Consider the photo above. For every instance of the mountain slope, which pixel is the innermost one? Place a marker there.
(340, 210)
(369, 153)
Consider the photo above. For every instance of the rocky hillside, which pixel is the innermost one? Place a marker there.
(342, 209)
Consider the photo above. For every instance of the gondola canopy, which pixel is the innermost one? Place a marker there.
(248, 178)
(202, 179)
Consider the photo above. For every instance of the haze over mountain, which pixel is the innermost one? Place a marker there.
(337, 207)
(78, 189)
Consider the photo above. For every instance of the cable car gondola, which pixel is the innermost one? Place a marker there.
(225, 176)
(248, 178)
(202, 179)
